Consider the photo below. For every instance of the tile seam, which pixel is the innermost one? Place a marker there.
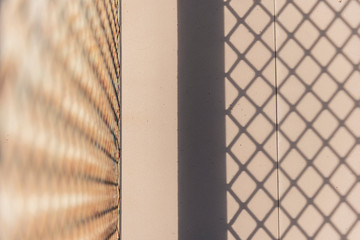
(276, 123)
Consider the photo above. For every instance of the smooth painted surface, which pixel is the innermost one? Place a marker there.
(202, 175)
(318, 47)
(307, 185)
(250, 102)
(149, 195)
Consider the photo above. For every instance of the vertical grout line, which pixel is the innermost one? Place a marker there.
(276, 125)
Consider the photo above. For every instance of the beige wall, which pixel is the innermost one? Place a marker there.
(316, 107)
(318, 114)
(316, 146)
(251, 119)
(149, 166)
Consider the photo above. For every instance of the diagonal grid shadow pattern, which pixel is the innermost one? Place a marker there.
(317, 111)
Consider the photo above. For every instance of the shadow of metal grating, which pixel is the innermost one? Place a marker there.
(293, 119)
(60, 119)
(250, 120)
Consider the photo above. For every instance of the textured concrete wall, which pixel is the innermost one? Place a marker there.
(59, 119)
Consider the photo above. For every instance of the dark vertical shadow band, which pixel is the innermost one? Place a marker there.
(201, 96)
